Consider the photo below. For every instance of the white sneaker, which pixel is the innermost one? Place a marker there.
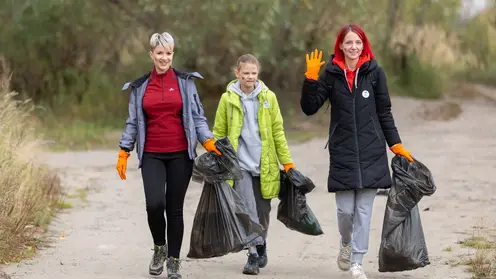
(344, 257)
(357, 272)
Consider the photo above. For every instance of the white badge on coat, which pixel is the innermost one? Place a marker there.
(266, 104)
(365, 94)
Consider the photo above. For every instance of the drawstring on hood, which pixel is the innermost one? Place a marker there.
(250, 142)
(236, 88)
(352, 75)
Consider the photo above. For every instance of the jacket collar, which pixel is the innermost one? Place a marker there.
(180, 74)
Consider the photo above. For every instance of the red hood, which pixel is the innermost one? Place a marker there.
(362, 60)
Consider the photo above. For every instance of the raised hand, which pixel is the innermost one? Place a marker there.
(314, 62)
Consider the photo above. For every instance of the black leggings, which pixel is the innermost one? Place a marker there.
(166, 178)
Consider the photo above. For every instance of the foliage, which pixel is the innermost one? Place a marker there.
(29, 192)
(72, 56)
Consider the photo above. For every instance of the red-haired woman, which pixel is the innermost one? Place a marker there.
(361, 126)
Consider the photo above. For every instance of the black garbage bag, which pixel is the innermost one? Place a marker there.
(403, 244)
(221, 224)
(293, 210)
(211, 168)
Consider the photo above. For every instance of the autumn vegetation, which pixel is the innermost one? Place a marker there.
(29, 191)
(70, 59)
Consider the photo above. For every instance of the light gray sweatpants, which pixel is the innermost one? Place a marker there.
(258, 208)
(354, 208)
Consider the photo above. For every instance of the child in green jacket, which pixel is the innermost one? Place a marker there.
(248, 114)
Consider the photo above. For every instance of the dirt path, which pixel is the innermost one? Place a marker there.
(107, 236)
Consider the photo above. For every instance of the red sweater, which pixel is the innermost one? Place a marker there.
(162, 104)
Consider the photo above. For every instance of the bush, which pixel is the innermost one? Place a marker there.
(421, 80)
(485, 76)
(28, 190)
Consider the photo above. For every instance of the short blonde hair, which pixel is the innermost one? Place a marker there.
(164, 39)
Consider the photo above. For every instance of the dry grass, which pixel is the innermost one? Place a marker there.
(28, 191)
(482, 264)
(433, 46)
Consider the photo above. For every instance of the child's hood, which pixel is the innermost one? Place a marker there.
(235, 87)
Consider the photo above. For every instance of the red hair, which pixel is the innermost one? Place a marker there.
(367, 50)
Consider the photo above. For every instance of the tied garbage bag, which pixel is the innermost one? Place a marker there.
(293, 210)
(403, 244)
(221, 224)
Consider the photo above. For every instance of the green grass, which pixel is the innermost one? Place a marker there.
(80, 135)
(418, 80)
(485, 76)
(81, 193)
(64, 205)
(87, 136)
(478, 242)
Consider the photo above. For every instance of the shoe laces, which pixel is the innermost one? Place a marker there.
(173, 265)
(346, 251)
(158, 255)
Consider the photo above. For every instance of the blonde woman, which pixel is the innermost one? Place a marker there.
(165, 122)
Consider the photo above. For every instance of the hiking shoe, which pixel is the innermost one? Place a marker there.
(262, 255)
(344, 257)
(173, 265)
(357, 272)
(157, 263)
(251, 266)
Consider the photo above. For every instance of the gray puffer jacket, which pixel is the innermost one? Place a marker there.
(194, 121)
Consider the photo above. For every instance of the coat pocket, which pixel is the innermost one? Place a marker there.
(376, 129)
(331, 133)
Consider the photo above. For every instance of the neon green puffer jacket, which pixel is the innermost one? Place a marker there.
(229, 121)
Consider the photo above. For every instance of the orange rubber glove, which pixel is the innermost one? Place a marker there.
(313, 65)
(209, 145)
(289, 166)
(122, 163)
(398, 149)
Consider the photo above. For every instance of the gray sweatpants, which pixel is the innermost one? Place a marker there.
(354, 210)
(258, 208)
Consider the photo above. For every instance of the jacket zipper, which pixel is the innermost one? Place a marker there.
(356, 143)
(356, 128)
(186, 127)
(266, 133)
(137, 120)
(162, 81)
(266, 130)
